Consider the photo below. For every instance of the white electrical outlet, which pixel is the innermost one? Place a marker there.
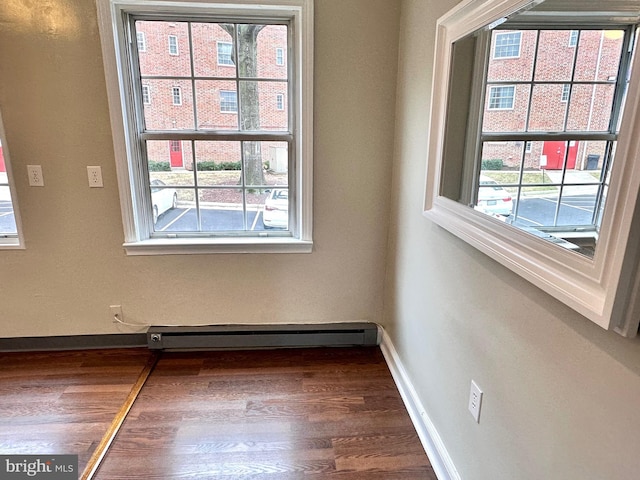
(35, 175)
(95, 177)
(116, 313)
(475, 401)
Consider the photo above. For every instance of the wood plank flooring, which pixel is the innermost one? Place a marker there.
(63, 402)
(270, 414)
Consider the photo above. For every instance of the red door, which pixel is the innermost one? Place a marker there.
(2, 167)
(175, 153)
(555, 152)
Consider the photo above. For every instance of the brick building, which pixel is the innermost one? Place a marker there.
(550, 81)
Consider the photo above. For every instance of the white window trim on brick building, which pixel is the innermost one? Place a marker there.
(503, 51)
(146, 94)
(279, 57)
(176, 96)
(126, 122)
(224, 57)
(497, 98)
(173, 45)
(142, 41)
(228, 101)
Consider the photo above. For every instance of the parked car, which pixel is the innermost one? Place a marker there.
(162, 198)
(276, 209)
(493, 199)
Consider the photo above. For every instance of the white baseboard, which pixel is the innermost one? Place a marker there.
(432, 443)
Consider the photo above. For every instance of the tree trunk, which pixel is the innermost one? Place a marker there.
(246, 39)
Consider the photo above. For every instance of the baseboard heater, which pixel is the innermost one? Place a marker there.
(262, 336)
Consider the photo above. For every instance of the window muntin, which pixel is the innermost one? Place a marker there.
(507, 45)
(230, 158)
(553, 151)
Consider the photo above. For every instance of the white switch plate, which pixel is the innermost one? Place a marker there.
(475, 401)
(35, 175)
(95, 177)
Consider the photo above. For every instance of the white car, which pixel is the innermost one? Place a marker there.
(276, 209)
(162, 199)
(493, 199)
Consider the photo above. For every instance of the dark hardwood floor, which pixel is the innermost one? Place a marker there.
(270, 414)
(63, 402)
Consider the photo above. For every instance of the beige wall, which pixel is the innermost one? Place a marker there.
(54, 105)
(561, 396)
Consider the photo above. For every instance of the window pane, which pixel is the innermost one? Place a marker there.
(590, 107)
(504, 157)
(500, 118)
(182, 217)
(514, 69)
(259, 106)
(547, 115)
(163, 113)
(221, 209)
(218, 163)
(170, 161)
(555, 57)
(598, 55)
(266, 163)
(257, 44)
(216, 107)
(213, 50)
(577, 205)
(156, 59)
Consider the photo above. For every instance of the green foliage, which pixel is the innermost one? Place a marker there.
(492, 164)
(216, 166)
(159, 167)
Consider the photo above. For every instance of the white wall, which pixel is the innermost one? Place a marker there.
(561, 395)
(53, 101)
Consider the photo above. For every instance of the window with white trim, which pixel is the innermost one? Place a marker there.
(224, 53)
(142, 41)
(228, 101)
(173, 45)
(573, 38)
(507, 45)
(501, 97)
(279, 56)
(176, 95)
(146, 94)
(239, 182)
(279, 101)
(10, 234)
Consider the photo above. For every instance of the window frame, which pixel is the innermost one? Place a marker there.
(10, 241)
(606, 288)
(137, 220)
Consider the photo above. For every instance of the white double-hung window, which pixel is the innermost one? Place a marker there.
(224, 169)
(10, 232)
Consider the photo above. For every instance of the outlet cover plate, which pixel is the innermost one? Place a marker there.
(475, 401)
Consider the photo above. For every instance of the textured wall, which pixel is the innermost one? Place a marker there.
(54, 105)
(560, 394)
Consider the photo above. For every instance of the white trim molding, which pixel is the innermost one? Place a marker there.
(429, 437)
(601, 288)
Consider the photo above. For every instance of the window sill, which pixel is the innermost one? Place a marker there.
(10, 244)
(194, 246)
